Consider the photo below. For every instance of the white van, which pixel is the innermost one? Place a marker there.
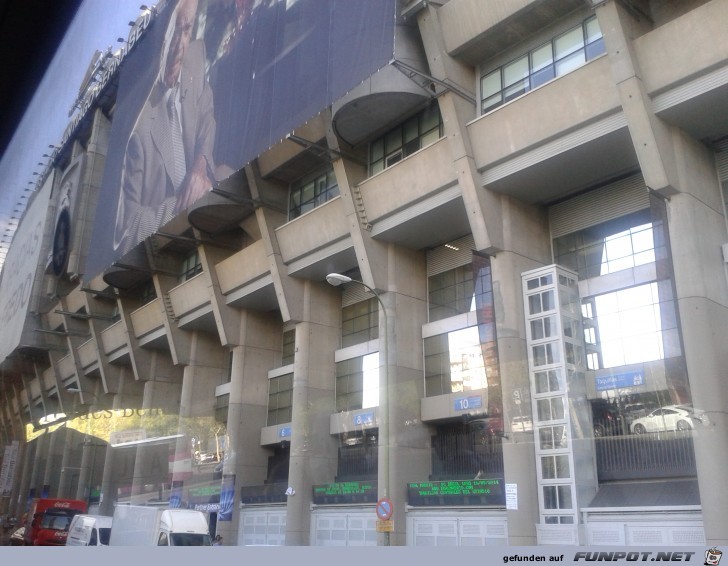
(89, 530)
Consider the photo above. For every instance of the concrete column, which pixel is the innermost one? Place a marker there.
(527, 246)
(207, 370)
(702, 299)
(313, 449)
(129, 395)
(158, 396)
(55, 456)
(39, 459)
(408, 448)
(64, 481)
(683, 170)
(260, 339)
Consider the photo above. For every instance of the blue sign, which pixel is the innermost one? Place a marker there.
(227, 498)
(364, 419)
(629, 379)
(466, 403)
(284, 432)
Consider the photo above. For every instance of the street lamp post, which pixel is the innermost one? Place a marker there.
(337, 279)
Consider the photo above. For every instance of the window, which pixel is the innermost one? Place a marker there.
(360, 322)
(357, 383)
(555, 467)
(454, 362)
(149, 293)
(557, 497)
(451, 293)
(191, 266)
(633, 325)
(289, 347)
(313, 191)
(555, 58)
(608, 247)
(407, 138)
(280, 399)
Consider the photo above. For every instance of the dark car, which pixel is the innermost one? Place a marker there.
(607, 419)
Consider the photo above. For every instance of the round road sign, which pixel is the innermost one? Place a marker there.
(384, 509)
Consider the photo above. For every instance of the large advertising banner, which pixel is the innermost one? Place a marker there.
(7, 473)
(19, 270)
(213, 84)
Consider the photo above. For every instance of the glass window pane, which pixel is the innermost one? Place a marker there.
(515, 72)
(593, 31)
(541, 57)
(490, 84)
(568, 43)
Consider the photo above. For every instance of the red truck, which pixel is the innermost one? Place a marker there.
(48, 520)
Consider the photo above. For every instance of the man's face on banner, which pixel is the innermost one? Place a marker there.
(182, 21)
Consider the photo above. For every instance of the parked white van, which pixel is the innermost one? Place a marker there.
(89, 530)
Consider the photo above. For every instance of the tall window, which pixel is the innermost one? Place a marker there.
(313, 191)
(289, 347)
(357, 383)
(451, 293)
(402, 141)
(559, 56)
(280, 399)
(454, 362)
(608, 247)
(191, 266)
(360, 322)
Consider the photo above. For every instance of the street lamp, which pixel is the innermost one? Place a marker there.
(337, 279)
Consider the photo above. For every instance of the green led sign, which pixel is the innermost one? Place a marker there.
(345, 492)
(457, 492)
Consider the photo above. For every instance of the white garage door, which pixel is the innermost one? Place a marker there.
(345, 528)
(453, 530)
(262, 527)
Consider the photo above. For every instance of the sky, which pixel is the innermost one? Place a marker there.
(97, 25)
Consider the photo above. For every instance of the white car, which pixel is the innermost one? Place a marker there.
(671, 417)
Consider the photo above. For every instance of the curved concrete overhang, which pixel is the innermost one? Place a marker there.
(224, 207)
(129, 271)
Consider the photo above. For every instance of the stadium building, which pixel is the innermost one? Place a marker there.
(385, 272)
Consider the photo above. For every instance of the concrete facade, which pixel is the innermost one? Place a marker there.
(252, 379)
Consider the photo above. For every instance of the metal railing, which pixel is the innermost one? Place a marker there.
(465, 455)
(639, 456)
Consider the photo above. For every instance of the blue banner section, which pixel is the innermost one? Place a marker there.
(175, 497)
(619, 381)
(227, 498)
(209, 87)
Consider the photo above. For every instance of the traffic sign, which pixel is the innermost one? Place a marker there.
(385, 509)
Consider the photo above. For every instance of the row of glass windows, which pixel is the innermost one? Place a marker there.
(312, 192)
(555, 58)
(400, 142)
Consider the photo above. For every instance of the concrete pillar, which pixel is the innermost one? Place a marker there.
(408, 448)
(683, 170)
(129, 395)
(527, 247)
(39, 459)
(313, 449)
(207, 370)
(260, 339)
(64, 478)
(158, 397)
(702, 299)
(55, 456)
(21, 497)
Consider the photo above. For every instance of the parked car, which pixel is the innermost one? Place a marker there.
(521, 424)
(634, 411)
(670, 417)
(606, 418)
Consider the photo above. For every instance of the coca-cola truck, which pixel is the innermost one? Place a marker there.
(48, 521)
